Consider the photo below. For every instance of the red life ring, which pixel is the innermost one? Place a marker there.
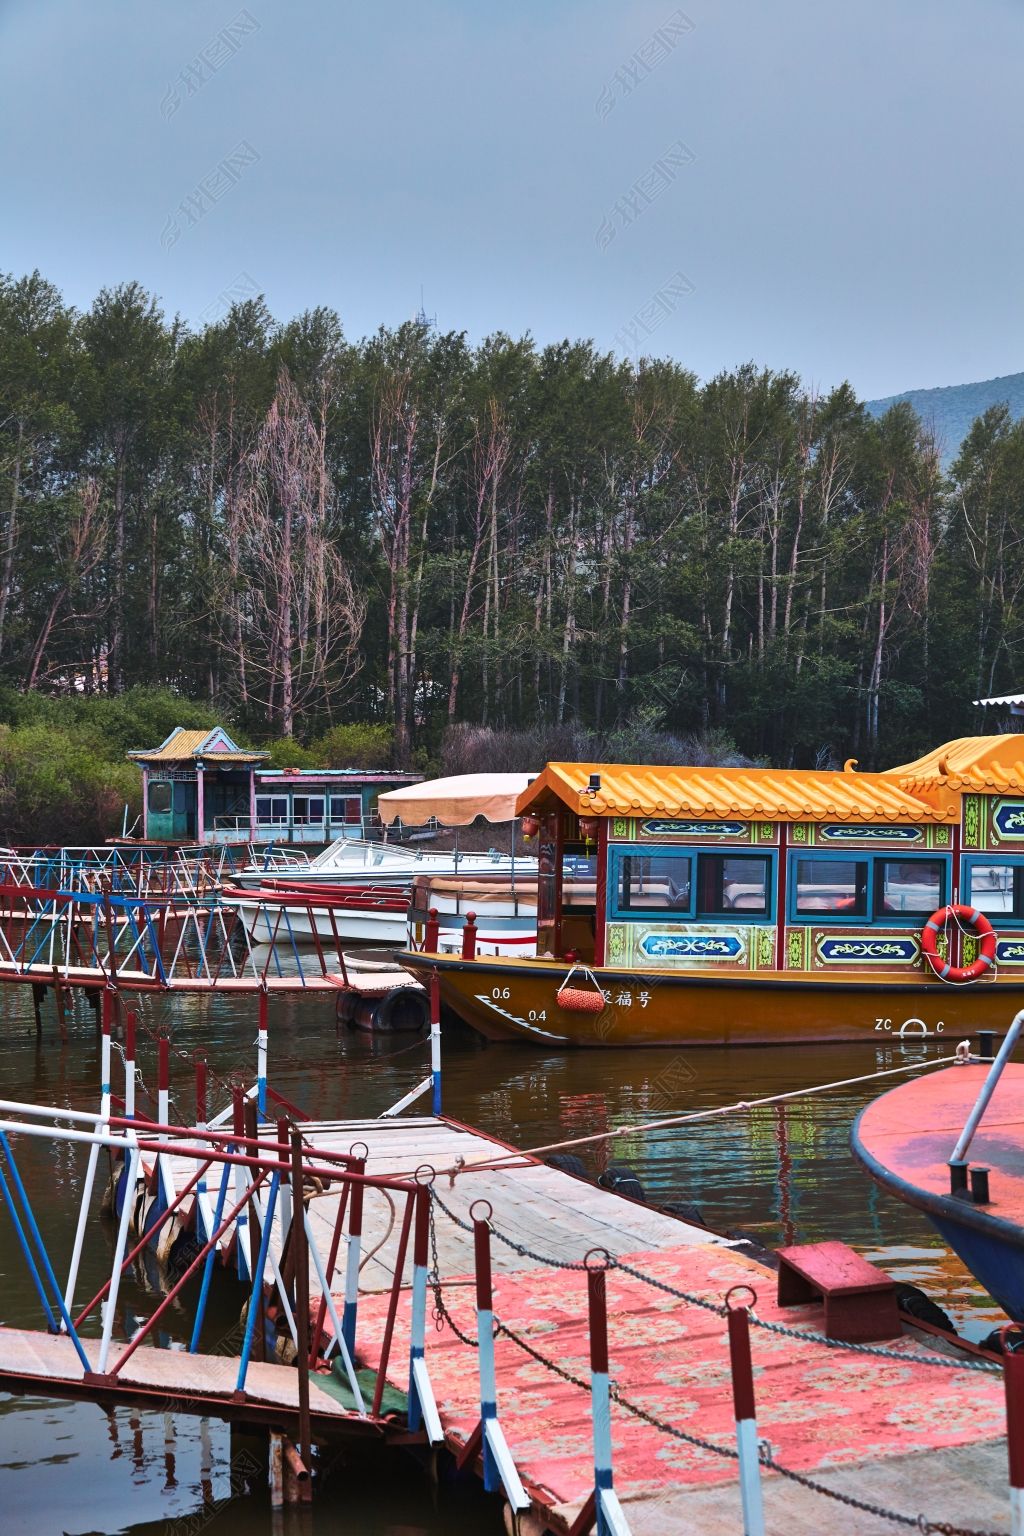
(972, 918)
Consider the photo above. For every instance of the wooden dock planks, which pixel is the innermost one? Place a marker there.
(49, 1365)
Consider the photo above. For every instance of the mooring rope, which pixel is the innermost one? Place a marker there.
(512, 1159)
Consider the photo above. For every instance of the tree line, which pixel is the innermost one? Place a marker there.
(301, 531)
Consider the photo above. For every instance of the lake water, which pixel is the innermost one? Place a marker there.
(778, 1173)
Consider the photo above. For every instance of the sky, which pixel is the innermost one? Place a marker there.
(828, 188)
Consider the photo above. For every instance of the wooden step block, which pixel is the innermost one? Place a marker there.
(859, 1300)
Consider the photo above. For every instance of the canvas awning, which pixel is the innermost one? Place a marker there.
(456, 801)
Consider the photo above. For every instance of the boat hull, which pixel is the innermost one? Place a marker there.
(507, 999)
(351, 923)
(904, 1140)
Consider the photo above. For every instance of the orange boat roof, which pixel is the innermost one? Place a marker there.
(771, 794)
(979, 764)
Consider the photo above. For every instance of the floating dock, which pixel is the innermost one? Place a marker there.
(887, 1429)
(478, 1280)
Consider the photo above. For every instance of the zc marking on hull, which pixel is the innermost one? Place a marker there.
(909, 1026)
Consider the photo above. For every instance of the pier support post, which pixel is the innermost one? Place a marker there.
(38, 993)
(499, 1468)
(746, 1419)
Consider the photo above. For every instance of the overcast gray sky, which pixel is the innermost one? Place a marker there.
(829, 187)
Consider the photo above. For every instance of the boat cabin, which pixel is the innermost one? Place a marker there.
(760, 869)
(201, 787)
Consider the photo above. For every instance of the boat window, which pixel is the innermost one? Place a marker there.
(346, 808)
(271, 809)
(997, 889)
(654, 882)
(835, 886)
(159, 797)
(316, 808)
(909, 887)
(579, 879)
(734, 883)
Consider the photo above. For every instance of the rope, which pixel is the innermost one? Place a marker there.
(949, 981)
(490, 1163)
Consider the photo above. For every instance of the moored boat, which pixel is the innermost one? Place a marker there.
(686, 906)
(351, 861)
(914, 1142)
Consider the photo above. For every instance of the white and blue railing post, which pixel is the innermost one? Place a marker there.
(422, 1406)
(499, 1468)
(610, 1519)
(129, 1064)
(109, 998)
(110, 1306)
(435, 1039)
(256, 1295)
(109, 1004)
(203, 1213)
(746, 1418)
(242, 1219)
(352, 1260)
(262, 1040)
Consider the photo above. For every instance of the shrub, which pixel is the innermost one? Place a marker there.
(356, 745)
(55, 788)
(286, 752)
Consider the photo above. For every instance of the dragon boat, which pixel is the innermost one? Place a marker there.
(710, 906)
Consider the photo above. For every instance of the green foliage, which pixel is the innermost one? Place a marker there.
(583, 556)
(54, 787)
(286, 752)
(355, 745)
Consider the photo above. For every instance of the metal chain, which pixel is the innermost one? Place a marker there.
(913, 1522)
(809, 1336)
(805, 1336)
(520, 1248)
(441, 1314)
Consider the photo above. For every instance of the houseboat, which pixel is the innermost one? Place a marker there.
(688, 906)
(201, 787)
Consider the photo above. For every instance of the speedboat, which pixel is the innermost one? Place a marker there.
(951, 1144)
(351, 861)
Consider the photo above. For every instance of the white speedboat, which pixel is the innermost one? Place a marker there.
(351, 861)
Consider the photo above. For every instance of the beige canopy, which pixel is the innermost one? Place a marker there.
(457, 801)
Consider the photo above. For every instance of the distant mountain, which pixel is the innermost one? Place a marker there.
(951, 409)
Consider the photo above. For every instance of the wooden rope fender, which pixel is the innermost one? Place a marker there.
(969, 917)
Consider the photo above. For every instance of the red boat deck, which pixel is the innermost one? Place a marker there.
(911, 1132)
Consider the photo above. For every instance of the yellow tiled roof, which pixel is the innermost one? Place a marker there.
(183, 744)
(773, 794)
(983, 764)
